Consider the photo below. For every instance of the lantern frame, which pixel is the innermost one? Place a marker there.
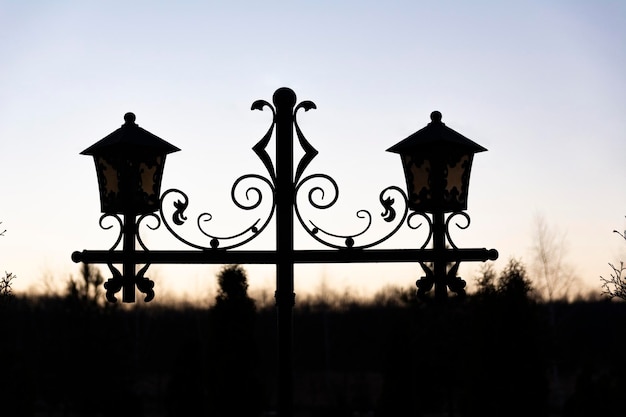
(129, 166)
(437, 162)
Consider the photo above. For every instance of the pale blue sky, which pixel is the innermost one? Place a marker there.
(540, 84)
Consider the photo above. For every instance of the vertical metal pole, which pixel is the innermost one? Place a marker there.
(284, 101)
(128, 267)
(439, 247)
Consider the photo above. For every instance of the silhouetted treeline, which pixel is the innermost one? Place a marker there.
(493, 354)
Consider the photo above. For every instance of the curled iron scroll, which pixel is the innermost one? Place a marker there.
(462, 227)
(253, 196)
(113, 284)
(120, 224)
(320, 198)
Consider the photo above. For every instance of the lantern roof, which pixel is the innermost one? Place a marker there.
(130, 137)
(435, 134)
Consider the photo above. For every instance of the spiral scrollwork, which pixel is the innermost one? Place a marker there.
(144, 219)
(116, 282)
(120, 224)
(113, 284)
(413, 224)
(321, 198)
(250, 198)
(318, 193)
(253, 194)
(145, 284)
(460, 226)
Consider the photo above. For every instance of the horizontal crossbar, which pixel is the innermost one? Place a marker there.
(217, 256)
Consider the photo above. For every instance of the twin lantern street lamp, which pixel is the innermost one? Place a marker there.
(436, 161)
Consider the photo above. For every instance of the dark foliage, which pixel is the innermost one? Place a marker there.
(507, 346)
(486, 355)
(234, 386)
(86, 291)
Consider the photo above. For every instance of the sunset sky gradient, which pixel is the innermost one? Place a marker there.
(540, 84)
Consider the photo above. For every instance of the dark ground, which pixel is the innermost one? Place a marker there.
(484, 356)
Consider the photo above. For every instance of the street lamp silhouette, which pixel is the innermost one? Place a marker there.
(129, 165)
(437, 162)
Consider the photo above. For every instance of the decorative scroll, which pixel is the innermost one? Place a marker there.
(113, 284)
(141, 219)
(254, 196)
(425, 283)
(259, 148)
(316, 197)
(467, 223)
(145, 284)
(116, 282)
(174, 203)
(410, 221)
(309, 151)
(452, 281)
(120, 223)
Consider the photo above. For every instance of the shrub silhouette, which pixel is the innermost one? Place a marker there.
(483, 356)
(87, 291)
(234, 388)
(507, 338)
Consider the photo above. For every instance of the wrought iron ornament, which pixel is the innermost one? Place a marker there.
(318, 197)
(282, 189)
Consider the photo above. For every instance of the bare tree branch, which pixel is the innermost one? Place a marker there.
(6, 292)
(554, 275)
(615, 286)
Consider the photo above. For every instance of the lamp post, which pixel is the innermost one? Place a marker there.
(129, 165)
(437, 164)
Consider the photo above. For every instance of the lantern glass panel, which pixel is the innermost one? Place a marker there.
(108, 182)
(457, 181)
(417, 173)
(128, 185)
(437, 181)
(150, 172)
